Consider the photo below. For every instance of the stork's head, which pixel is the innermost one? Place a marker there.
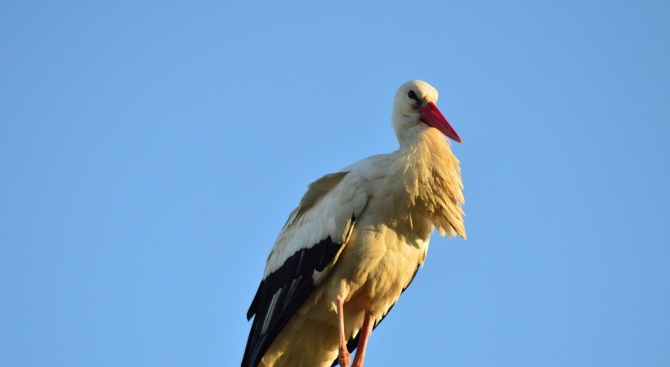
(413, 106)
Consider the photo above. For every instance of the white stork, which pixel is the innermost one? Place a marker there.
(355, 242)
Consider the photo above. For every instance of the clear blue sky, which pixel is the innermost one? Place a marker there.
(150, 153)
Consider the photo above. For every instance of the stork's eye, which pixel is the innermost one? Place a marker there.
(413, 96)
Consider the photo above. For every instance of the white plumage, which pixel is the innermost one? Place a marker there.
(355, 242)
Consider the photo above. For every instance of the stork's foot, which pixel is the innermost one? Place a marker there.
(344, 357)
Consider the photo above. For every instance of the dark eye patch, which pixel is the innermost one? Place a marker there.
(413, 96)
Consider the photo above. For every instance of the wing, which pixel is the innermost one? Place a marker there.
(305, 251)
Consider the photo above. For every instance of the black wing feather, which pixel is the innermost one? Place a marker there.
(281, 294)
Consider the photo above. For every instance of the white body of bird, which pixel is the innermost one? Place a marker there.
(355, 243)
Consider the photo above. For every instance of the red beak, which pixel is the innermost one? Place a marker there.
(433, 117)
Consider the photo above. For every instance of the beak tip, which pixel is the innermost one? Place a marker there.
(433, 117)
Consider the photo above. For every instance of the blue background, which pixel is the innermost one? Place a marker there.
(151, 151)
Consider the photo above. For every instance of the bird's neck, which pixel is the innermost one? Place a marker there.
(433, 183)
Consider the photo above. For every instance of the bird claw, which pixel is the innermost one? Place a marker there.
(345, 358)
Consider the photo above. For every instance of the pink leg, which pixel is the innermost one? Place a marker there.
(366, 329)
(345, 356)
